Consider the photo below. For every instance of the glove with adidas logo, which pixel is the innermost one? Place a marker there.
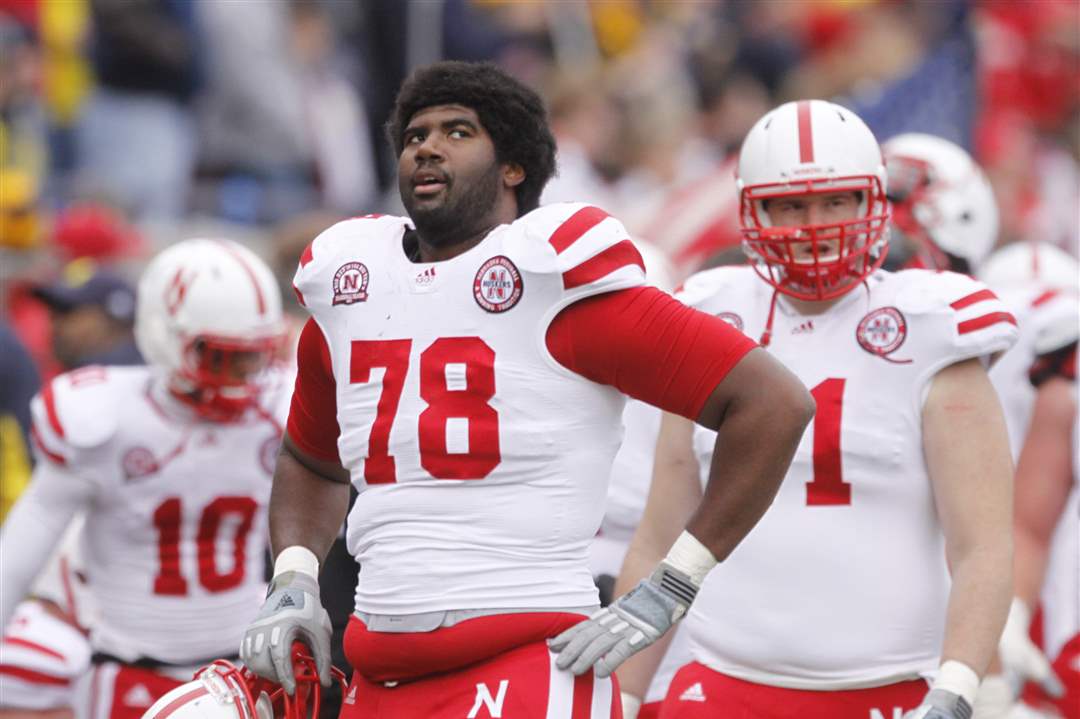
(638, 618)
(292, 612)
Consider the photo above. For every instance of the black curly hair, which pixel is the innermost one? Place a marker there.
(513, 115)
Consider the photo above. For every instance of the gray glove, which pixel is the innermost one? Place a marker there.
(631, 623)
(941, 704)
(292, 612)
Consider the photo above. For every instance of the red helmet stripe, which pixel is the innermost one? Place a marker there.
(180, 701)
(251, 275)
(806, 137)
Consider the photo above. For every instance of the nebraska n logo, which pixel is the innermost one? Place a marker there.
(177, 289)
(483, 699)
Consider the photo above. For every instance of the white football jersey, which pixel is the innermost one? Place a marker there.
(482, 463)
(41, 656)
(175, 536)
(1032, 306)
(843, 583)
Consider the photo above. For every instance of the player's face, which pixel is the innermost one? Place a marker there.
(811, 210)
(448, 174)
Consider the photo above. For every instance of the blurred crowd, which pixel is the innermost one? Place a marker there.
(126, 125)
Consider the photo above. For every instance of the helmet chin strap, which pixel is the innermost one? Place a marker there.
(766, 336)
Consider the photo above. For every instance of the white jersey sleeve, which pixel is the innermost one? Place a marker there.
(72, 417)
(972, 322)
(42, 656)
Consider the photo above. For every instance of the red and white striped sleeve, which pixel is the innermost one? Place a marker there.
(72, 413)
(587, 247)
(981, 324)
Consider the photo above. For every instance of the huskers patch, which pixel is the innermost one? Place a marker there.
(498, 285)
(882, 331)
(350, 283)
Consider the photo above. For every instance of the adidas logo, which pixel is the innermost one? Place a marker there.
(138, 696)
(426, 277)
(804, 328)
(285, 601)
(694, 693)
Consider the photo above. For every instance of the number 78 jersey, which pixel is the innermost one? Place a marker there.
(843, 583)
(482, 463)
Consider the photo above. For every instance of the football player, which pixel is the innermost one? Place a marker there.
(172, 464)
(464, 369)
(944, 207)
(839, 602)
(1045, 526)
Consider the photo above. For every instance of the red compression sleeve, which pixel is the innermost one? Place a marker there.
(648, 345)
(313, 425)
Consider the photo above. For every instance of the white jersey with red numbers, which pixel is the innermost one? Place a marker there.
(482, 462)
(175, 533)
(41, 656)
(843, 583)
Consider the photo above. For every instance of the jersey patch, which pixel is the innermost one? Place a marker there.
(498, 285)
(732, 319)
(882, 331)
(138, 462)
(350, 283)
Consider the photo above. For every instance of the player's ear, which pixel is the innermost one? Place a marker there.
(513, 174)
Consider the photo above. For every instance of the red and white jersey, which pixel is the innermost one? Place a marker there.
(41, 656)
(1032, 307)
(175, 530)
(843, 583)
(482, 462)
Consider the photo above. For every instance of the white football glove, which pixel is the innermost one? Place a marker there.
(626, 626)
(995, 699)
(1023, 661)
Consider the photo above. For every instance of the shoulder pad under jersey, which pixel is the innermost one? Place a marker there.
(335, 247)
(76, 411)
(590, 249)
(975, 322)
(703, 286)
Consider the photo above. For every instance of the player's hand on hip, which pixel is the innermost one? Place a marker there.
(292, 612)
(628, 625)
(941, 704)
(1022, 659)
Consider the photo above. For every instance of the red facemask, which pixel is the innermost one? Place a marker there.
(218, 376)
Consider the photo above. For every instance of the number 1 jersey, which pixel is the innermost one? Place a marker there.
(843, 583)
(481, 462)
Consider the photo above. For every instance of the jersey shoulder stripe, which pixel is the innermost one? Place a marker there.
(572, 229)
(614, 258)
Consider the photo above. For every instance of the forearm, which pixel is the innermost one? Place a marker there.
(1031, 554)
(306, 508)
(748, 466)
(31, 531)
(978, 604)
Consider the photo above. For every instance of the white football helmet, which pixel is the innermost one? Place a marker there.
(222, 690)
(1027, 264)
(941, 200)
(812, 147)
(209, 313)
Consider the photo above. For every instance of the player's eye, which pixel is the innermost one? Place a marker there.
(459, 133)
(413, 138)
